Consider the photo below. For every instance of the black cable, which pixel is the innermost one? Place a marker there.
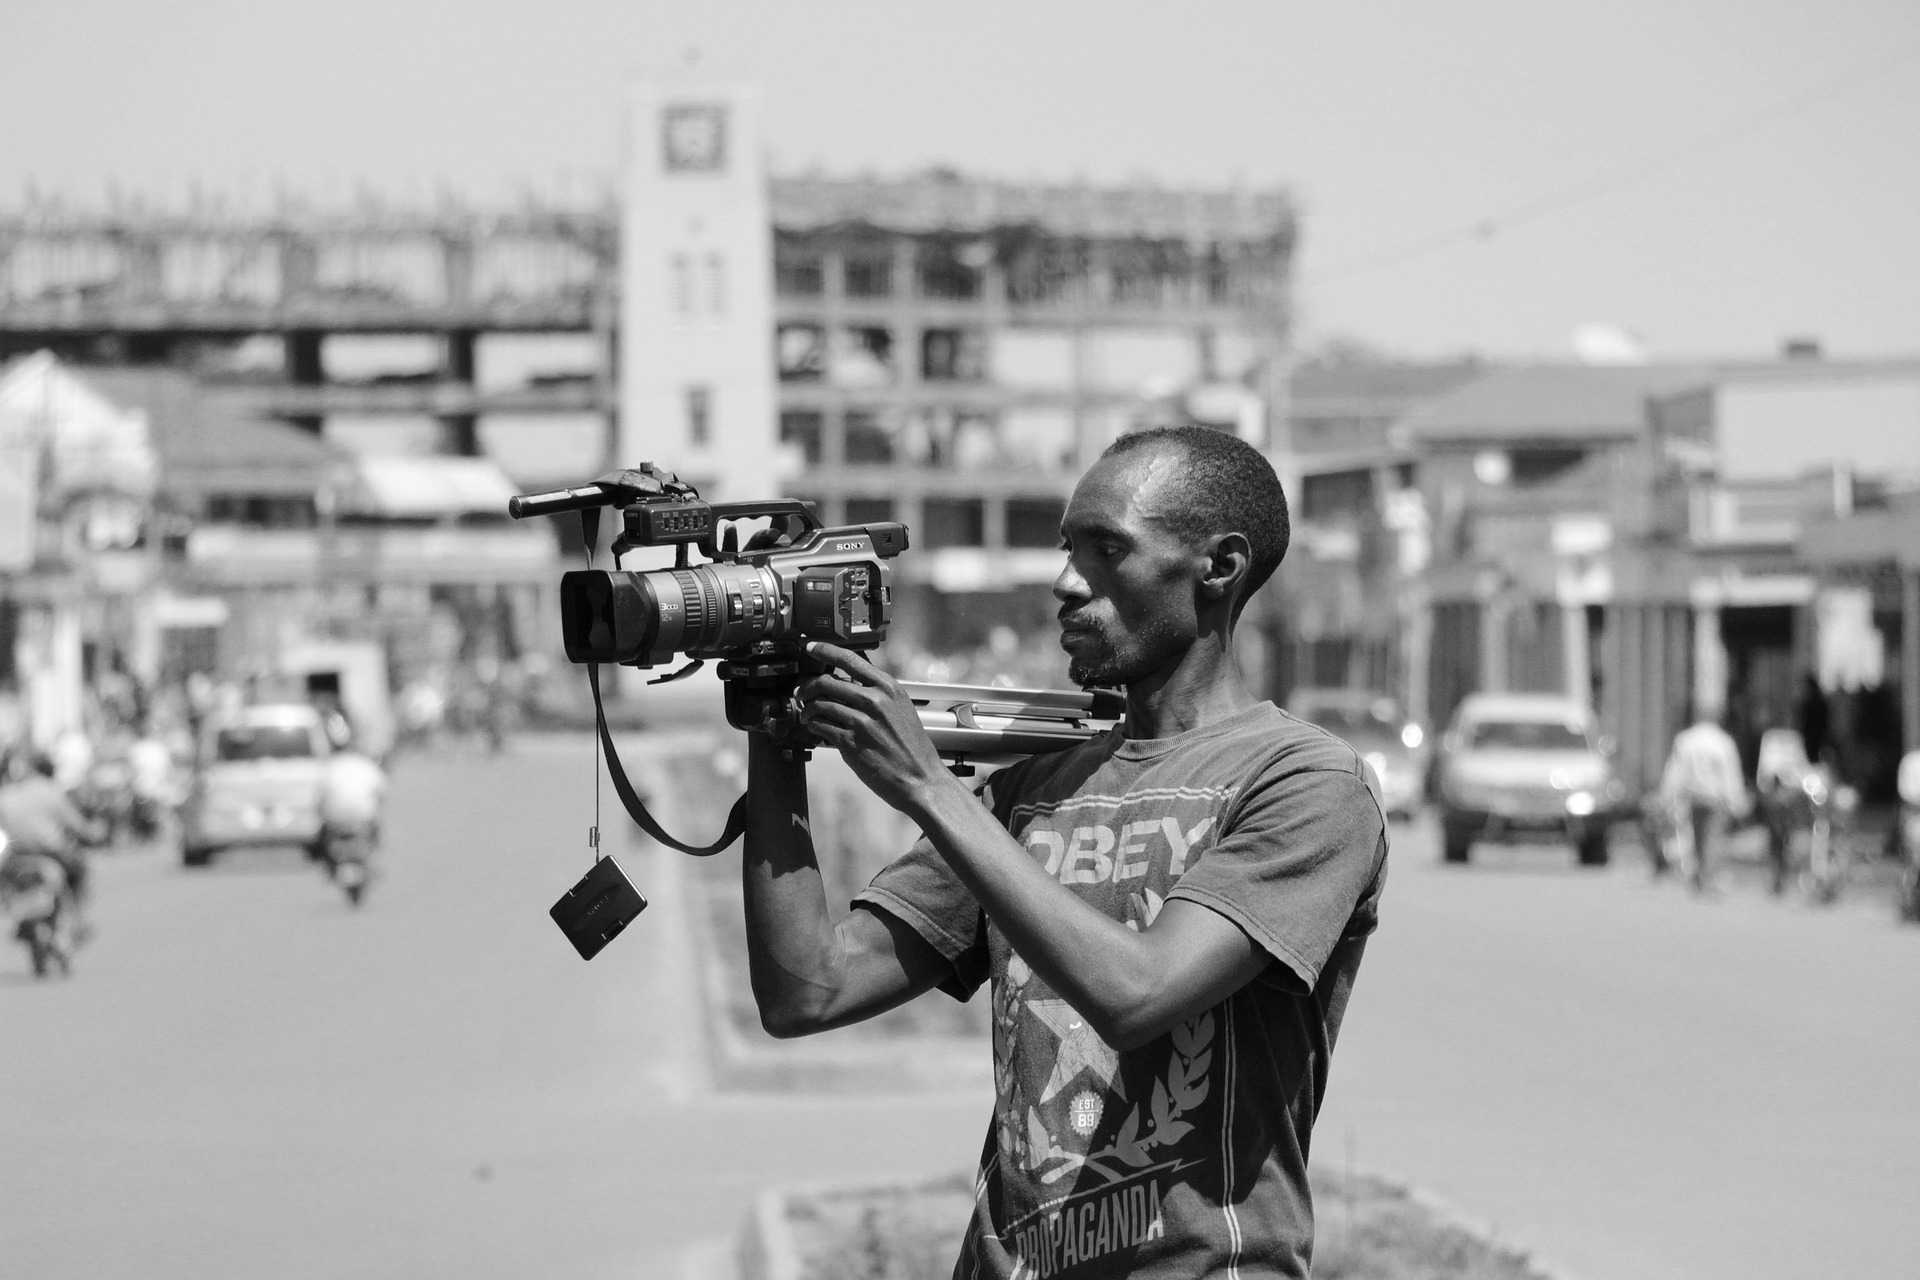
(1606, 181)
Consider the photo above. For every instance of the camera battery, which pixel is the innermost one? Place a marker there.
(595, 910)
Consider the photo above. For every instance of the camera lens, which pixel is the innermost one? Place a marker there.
(605, 617)
(646, 618)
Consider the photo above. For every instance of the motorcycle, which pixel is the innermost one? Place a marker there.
(1832, 807)
(1799, 796)
(37, 902)
(1907, 832)
(348, 853)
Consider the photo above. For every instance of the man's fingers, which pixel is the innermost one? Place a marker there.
(832, 722)
(846, 661)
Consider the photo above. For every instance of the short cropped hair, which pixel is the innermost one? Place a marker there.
(1228, 487)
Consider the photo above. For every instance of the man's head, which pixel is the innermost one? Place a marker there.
(1168, 534)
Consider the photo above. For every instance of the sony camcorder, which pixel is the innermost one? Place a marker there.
(793, 582)
(753, 607)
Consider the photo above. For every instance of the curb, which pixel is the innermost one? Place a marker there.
(766, 1248)
(1449, 1214)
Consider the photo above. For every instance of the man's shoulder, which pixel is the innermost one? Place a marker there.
(1263, 739)
(1301, 746)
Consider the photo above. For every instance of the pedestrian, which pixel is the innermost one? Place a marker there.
(1170, 916)
(1780, 795)
(1813, 717)
(1704, 781)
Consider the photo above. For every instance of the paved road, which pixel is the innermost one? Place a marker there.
(1639, 1084)
(246, 1079)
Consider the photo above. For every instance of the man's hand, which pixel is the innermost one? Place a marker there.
(862, 712)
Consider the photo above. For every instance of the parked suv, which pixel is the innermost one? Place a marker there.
(1526, 769)
(257, 780)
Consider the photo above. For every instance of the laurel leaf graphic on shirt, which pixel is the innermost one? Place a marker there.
(1161, 1116)
(1174, 1131)
(1192, 1036)
(1127, 1144)
(1193, 1054)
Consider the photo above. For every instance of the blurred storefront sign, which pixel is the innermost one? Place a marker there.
(190, 611)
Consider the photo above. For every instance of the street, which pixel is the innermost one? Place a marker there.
(1639, 1084)
(246, 1078)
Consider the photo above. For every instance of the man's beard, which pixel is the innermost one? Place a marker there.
(1107, 667)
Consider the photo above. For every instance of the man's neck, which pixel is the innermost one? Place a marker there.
(1190, 696)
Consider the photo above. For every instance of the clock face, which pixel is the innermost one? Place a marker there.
(695, 137)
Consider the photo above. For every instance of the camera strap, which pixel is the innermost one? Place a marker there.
(636, 807)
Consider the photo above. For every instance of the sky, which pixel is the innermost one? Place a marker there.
(1709, 177)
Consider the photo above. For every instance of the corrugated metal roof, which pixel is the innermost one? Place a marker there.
(1359, 383)
(1550, 401)
(943, 200)
(209, 440)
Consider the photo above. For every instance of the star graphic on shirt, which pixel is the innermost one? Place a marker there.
(1080, 1048)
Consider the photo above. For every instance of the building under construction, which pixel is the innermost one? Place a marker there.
(951, 353)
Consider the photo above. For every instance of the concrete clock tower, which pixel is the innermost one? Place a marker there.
(697, 382)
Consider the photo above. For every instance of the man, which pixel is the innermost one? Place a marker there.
(38, 817)
(1704, 780)
(1171, 915)
(353, 793)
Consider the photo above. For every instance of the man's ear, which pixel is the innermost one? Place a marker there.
(1229, 559)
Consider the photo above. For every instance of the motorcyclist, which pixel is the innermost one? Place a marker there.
(39, 817)
(352, 796)
(151, 761)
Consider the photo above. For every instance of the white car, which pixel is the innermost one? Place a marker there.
(1526, 769)
(1393, 746)
(258, 780)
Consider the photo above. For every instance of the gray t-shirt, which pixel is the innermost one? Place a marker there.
(1188, 1155)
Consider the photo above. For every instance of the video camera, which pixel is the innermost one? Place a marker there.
(754, 607)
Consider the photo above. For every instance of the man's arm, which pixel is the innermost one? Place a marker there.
(79, 827)
(810, 973)
(1130, 987)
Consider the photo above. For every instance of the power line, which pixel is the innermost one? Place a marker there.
(1606, 181)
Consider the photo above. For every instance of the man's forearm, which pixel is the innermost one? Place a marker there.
(1096, 964)
(790, 933)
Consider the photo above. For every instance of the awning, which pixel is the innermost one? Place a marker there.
(403, 488)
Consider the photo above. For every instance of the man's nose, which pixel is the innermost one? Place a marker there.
(1068, 584)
